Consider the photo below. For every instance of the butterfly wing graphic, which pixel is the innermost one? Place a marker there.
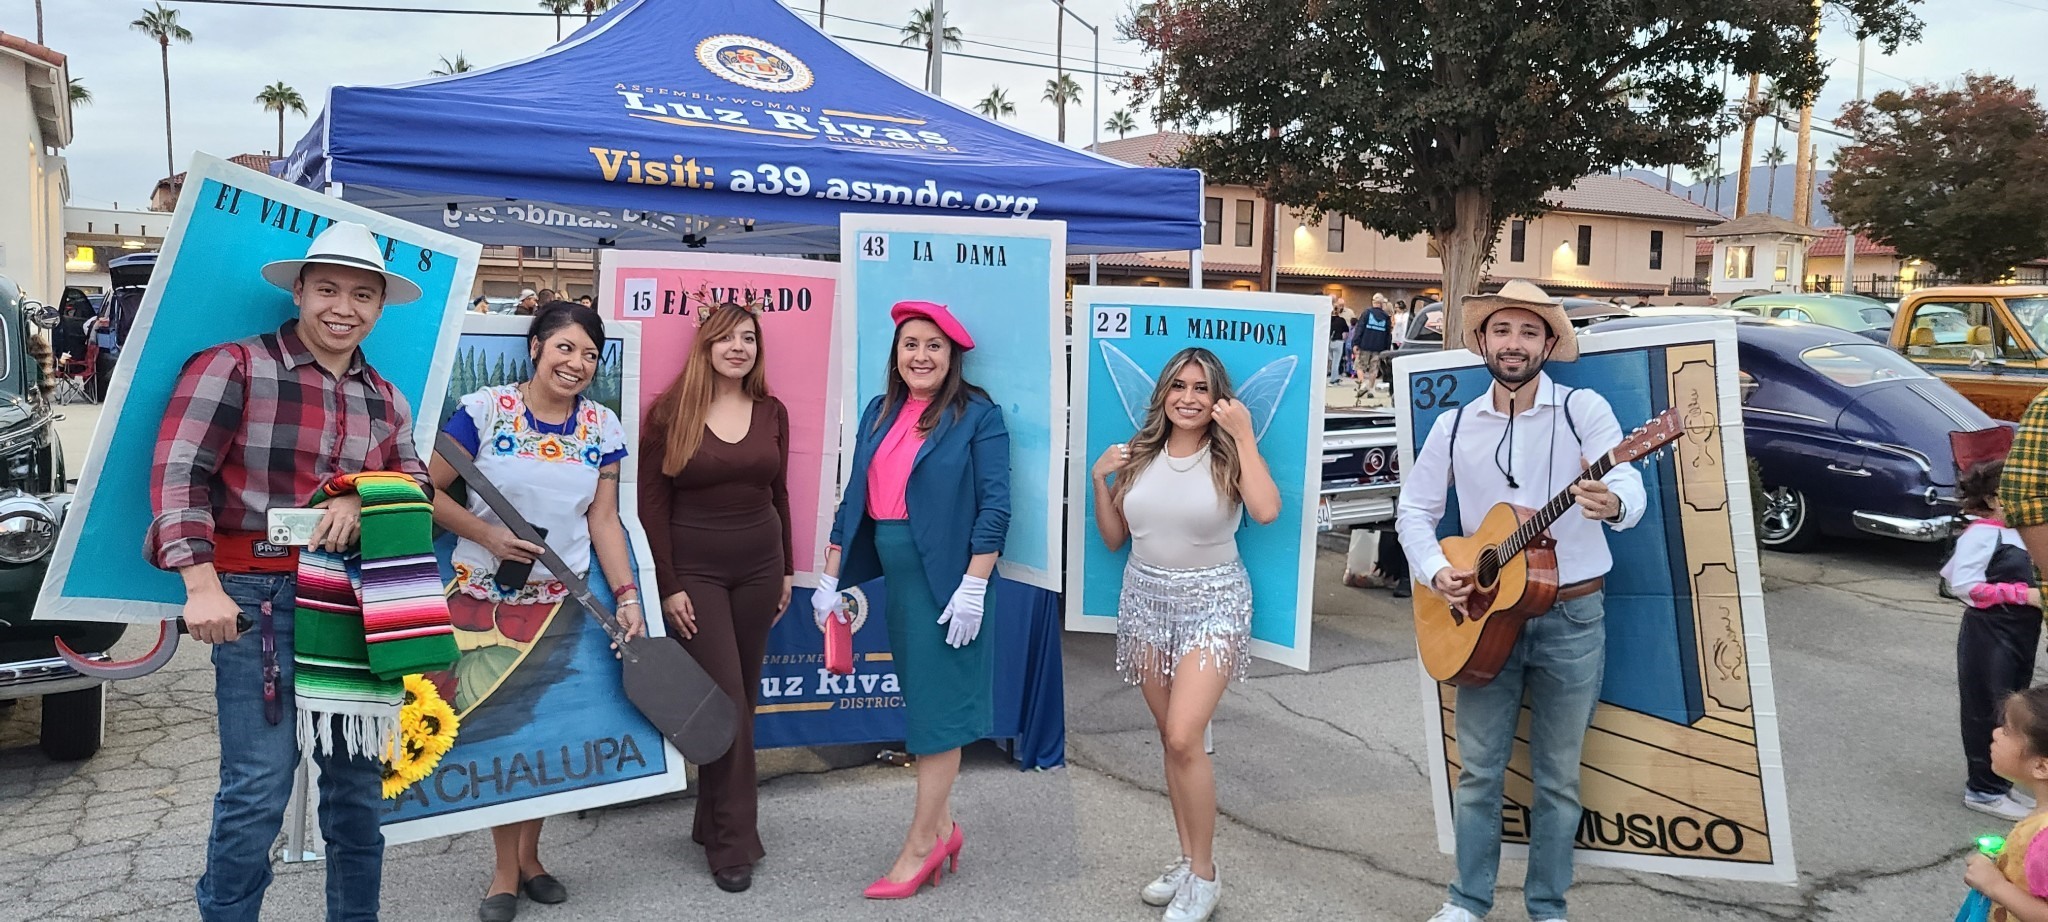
(1262, 391)
(1133, 385)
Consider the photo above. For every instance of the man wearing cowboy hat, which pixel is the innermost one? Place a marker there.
(253, 425)
(1522, 444)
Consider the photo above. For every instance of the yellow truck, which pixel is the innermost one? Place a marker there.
(1989, 342)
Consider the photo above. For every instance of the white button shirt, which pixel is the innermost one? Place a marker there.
(1546, 458)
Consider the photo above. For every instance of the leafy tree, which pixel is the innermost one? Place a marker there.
(917, 32)
(1955, 175)
(560, 8)
(1121, 122)
(449, 68)
(996, 104)
(161, 25)
(593, 7)
(279, 98)
(1063, 92)
(1446, 119)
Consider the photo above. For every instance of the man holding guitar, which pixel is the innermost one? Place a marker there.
(1529, 443)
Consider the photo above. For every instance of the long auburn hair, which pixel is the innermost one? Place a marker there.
(1150, 442)
(685, 404)
(953, 393)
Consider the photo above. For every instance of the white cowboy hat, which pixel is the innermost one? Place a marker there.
(344, 243)
(1526, 296)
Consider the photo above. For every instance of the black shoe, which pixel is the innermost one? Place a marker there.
(544, 888)
(734, 880)
(499, 907)
(1401, 590)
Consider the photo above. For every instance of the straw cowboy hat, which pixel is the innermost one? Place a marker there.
(1528, 297)
(344, 243)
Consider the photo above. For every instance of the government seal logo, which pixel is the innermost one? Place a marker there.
(753, 63)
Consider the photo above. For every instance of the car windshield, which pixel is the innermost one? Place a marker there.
(1857, 364)
(1877, 317)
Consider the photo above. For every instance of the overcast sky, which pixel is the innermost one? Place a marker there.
(117, 155)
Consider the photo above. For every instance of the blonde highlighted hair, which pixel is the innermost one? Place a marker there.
(1150, 442)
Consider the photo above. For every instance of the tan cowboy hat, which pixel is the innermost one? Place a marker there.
(345, 243)
(1528, 297)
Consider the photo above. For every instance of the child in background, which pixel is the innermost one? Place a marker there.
(2001, 627)
(2017, 880)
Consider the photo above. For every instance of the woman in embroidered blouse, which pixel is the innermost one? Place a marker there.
(927, 505)
(555, 455)
(715, 498)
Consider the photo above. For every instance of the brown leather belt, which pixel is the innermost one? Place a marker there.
(1581, 589)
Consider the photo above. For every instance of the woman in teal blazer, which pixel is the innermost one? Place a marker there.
(926, 506)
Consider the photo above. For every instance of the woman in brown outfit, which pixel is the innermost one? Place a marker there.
(716, 504)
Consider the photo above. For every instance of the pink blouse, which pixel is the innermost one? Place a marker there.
(889, 471)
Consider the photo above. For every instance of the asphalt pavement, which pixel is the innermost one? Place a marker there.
(1320, 781)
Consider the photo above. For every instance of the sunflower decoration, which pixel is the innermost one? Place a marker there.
(426, 731)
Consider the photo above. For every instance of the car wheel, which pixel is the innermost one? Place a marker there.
(74, 723)
(1785, 523)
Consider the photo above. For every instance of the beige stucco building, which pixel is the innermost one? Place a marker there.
(35, 114)
(1605, 236)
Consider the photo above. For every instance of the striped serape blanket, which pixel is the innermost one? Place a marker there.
(365, 621)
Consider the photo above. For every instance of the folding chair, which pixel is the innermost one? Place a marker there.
(75, 376)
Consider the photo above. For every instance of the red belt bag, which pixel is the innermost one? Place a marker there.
(252, 552)
(838, 645)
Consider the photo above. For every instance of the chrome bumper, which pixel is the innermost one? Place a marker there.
(37, 677)
(1895, 526)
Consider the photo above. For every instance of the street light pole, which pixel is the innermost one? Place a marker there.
(1849, 235)
(937, 66)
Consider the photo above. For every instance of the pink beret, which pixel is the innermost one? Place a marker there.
(937, 314)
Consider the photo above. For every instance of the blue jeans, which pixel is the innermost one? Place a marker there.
(257, 762)
(1558, 662)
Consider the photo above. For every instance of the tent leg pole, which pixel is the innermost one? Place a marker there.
(1091, 270)
(1195, 268)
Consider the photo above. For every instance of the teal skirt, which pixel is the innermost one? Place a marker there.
(948, 696)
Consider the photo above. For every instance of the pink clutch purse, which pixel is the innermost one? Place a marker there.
(838, 645)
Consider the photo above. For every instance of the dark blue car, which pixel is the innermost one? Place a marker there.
(1850, 437)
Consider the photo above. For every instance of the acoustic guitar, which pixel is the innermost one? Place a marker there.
(1513, 560)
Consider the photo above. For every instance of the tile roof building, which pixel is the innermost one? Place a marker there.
(1606, 236)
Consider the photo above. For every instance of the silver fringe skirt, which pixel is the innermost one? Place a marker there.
(1165, 614)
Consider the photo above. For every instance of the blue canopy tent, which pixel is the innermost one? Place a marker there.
(732, 124)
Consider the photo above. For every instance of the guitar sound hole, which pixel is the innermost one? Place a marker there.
(1486, 570)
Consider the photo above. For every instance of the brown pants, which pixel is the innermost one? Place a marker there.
(734, 578)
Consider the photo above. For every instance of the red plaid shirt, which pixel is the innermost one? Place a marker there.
(258, 424)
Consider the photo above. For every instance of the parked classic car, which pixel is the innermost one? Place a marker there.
(1850, 437)
(34, 495)
(1867, 317)
(1986, 341)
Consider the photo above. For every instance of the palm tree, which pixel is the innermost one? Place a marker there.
(996, 104)
(451, 68)
(1121, 122)
(918, 31)
(161, 24)
(1063, 92)
(278, 98)
(80, 96)
(1774, 156)
(560, 8)
(593, 7)
(821, 14)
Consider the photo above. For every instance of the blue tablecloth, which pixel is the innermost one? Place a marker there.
(801, 704)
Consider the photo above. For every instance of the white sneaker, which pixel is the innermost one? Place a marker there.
(1450, 913)
(2021, 797)
(1161, 891)
(1196, 899)
(2003, 806)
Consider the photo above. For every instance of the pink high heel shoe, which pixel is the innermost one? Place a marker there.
(885, 889)
(953, 844)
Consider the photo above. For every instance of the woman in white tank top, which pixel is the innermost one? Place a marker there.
(1178, 491)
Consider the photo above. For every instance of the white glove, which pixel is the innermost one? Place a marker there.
(963, 613)
(825, 599)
